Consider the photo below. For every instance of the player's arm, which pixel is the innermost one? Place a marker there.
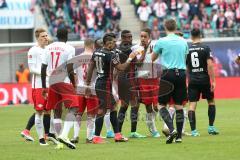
(32, 63)
(211, 73)
(44, 75)
(123, 66)
(157, 50)
(70, 70)
(91, 68)
(71, 74)
(210, 66)
(154, 56)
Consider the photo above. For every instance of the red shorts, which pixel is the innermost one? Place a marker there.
(62, 92)
(91, 103)
(148, 89)
(38, 100)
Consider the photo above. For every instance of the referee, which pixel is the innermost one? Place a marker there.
(173, 50)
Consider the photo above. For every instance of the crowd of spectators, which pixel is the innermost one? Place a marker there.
(83, 18)
(214, 17)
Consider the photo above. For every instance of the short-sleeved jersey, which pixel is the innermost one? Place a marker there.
(147, 69)
(124, 52)
(57, 54)
(173, 50)
(81, 72)
(197, 63)
(35, 57)
(105, 61)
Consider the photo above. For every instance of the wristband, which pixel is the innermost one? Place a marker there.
(129, 60)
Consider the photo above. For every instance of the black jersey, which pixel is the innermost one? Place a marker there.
(105, 61)
(124, 52)
(197, 63)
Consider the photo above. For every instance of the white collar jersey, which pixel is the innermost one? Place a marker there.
(35, 57)
(148, 69)
(57, 56)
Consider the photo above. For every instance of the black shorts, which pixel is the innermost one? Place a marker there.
(127, 89)
(124, 89)
(195, 90)
(178, 81)
(104, 93)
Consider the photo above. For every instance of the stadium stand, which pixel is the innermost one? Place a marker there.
(217, 18)
(83, 18)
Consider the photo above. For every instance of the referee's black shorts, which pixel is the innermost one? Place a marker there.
(177, 77)
(195, 90)
(104, 93)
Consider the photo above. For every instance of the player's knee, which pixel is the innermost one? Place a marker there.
(211, 102)
(39, 112)
(47, 112)
(149, 109)
(124, 104)
(101, 111)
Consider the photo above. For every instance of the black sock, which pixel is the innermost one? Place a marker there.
(166, 117)
(99, 124)
(121, 117)
(46, 123)
(179, 122)
(192, 119)
(134, 118)
(114, 121)
(211, 114)
(31, 122)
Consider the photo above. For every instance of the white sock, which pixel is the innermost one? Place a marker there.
(57, 126)
(165, 127)
(150, 120)
(107, 121)
(39, 125)
(68, 124)
(90, 127)
(77, 125)
(171, 111)
(52, 129)
(66, 128)
(185, 118)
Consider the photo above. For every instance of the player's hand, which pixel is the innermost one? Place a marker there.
(213, 86)
(237, 60)
(133, 55)
(45, 93)
(88, 91)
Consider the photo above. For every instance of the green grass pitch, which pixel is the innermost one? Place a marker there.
(221, 147)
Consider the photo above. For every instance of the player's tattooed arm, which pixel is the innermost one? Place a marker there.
(91, 68)
(71, 74)
(211, 73)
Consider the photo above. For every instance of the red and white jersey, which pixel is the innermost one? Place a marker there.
(147, 69)
(81, 73)
(57, 54)
(35, 57)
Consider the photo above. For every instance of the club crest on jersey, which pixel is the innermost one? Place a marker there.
(40, 105)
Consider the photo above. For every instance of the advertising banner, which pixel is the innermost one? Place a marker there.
(16, 15)
(15, 94)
